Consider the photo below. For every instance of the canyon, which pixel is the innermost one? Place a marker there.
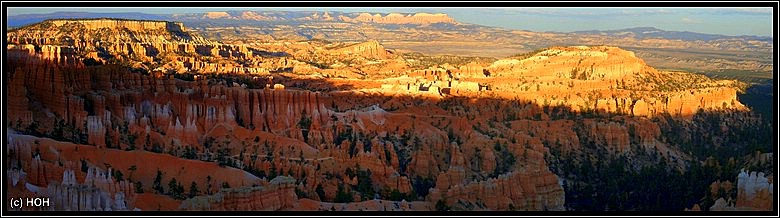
(113, 114)
(440, 34)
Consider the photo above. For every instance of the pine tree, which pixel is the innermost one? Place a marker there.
(208, 185)
(139, 187)
(193, 190)
(132, 170)
(175, 189)
(342, 196)
(157, 185)
(320, 192)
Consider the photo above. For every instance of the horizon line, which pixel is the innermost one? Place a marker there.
(259, 9)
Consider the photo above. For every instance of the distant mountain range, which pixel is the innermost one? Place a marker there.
(266, 18)
(21, 20)
(439, 34)
(652, 32)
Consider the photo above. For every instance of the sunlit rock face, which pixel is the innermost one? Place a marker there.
(396, 18)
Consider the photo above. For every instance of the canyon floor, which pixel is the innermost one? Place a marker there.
(119, 114)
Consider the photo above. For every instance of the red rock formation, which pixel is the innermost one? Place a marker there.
(613, 135)
(18, 113)
(605, 79)
(132, 25)
(520, 190)
(370, 49)
(59, 183)
(279, 194)
(754, 191)
(96, 132)
(472, 70)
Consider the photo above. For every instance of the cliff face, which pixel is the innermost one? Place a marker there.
(57, 83)
(87, 33)
(600, 80)
(105, 40)
(370, 49)
(132, 25)
(391, 18)
(396, 18)
(167, 47)
(127, 111)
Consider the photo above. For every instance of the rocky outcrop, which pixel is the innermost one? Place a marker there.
(183, 115)
(754, 191)
(606, 80)
(114, 39)
(19, 112)
(471, 70)
(98, 193)
(88, 32)
(612, 135)
(166, 47)
(370, 49)
(516, 190)
(280, 194)
(96, 131)
(533, 187)
(216, 15)
(44, 77)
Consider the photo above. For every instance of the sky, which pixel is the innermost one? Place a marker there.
(724, 21)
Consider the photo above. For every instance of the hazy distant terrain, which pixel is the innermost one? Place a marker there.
(747, 58)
